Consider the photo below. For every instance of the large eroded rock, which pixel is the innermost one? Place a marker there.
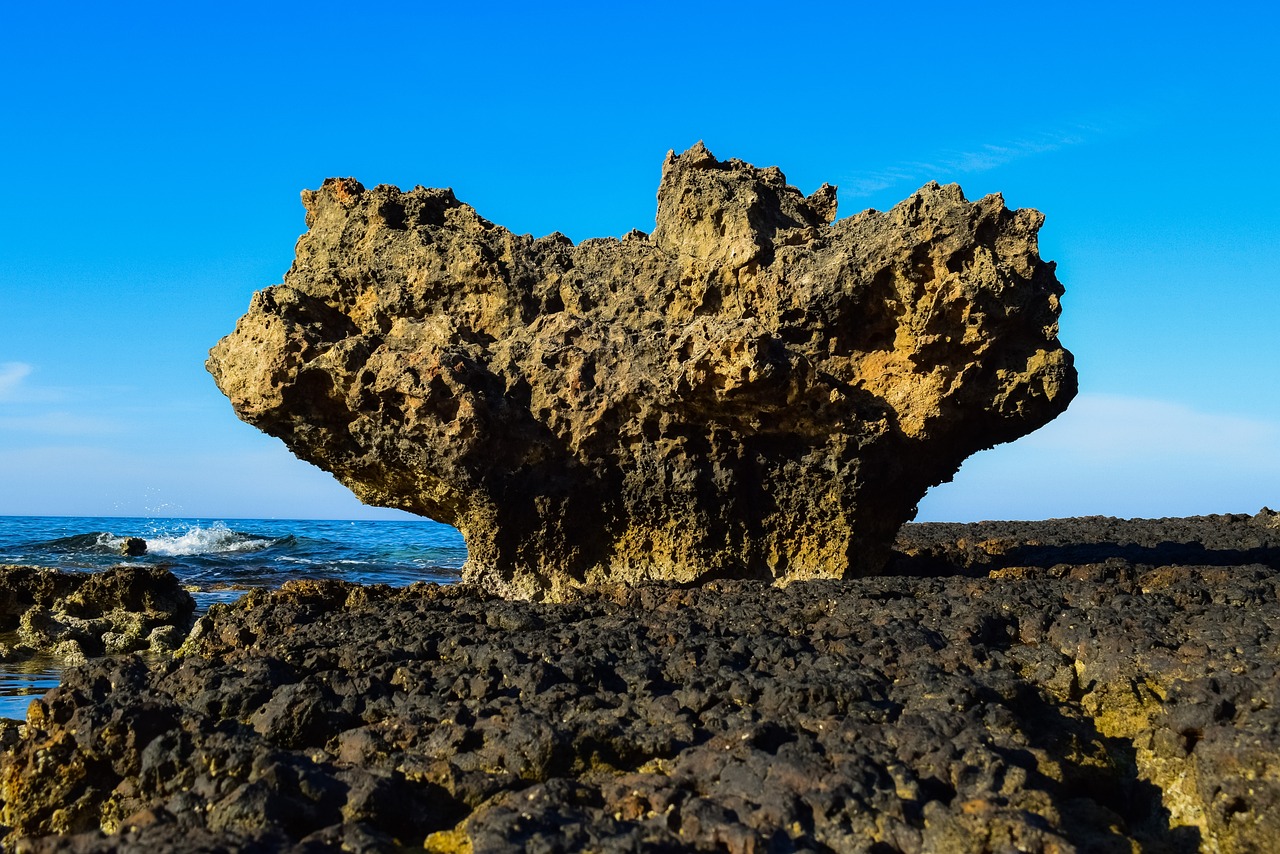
(752, 390)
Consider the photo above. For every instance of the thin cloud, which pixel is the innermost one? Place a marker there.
(58, 424)
(1107, 427)
(33, 410)
(979, 158)
(12, 375)
(1120, 455)
(16, 387)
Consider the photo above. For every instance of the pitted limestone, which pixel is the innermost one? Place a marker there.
(753, 390)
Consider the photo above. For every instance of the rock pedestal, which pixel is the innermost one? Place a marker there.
(753, 390)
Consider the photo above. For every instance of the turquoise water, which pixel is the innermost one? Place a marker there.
(217, 560)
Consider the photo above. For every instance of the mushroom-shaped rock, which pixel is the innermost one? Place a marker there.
(754, 390)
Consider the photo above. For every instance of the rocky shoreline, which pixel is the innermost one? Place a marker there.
(76, 616)
(1074, 685)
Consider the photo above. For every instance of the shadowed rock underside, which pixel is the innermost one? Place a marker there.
(753, 390)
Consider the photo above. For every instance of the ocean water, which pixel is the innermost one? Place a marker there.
(217, 560)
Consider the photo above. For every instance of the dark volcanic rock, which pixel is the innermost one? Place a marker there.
(1063, 545)
(753, 390)
(133, 546)
(77, 615)
(1111, 706)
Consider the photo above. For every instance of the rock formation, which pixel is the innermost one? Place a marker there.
(753, 390)
(133, 547)
(77, 615)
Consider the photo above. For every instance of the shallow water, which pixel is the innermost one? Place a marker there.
(22, 682)
(218, 560)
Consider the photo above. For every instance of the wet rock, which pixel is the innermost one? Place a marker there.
(1112, 706)
(754, 390)
(81, 615)
(133, 547)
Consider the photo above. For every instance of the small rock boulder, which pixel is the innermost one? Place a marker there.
(76, 615)
(133, 547)
(754, 390)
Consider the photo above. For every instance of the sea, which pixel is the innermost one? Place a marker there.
(217, 560)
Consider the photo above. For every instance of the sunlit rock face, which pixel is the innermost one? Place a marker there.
(753, 390)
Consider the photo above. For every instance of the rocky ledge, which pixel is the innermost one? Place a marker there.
(77, 615)
(753, 390)
(1127, 701)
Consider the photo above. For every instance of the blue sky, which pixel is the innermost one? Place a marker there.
(154, 156)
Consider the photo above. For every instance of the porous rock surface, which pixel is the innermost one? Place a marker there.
(753, 390)
(77, 615)
(1114, 706)
(1059, 545)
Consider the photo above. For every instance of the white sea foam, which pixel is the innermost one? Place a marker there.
(217, 538)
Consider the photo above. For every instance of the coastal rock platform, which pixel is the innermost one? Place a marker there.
(1076, 685)
(78, 615)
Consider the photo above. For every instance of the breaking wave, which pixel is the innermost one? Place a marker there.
(208, 555)
(216, 538)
